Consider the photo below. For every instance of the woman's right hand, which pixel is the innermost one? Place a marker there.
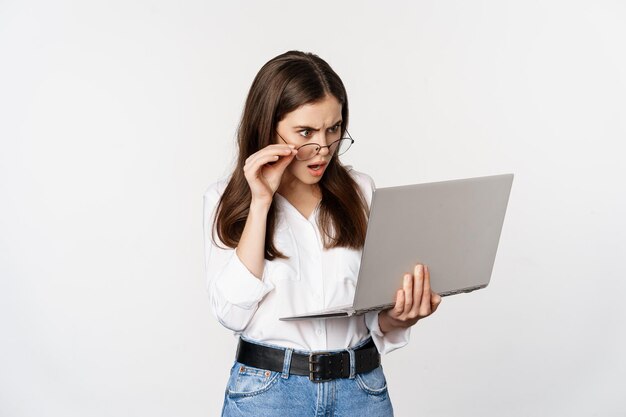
(264, 169)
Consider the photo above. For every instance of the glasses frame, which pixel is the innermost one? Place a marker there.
(320, 147)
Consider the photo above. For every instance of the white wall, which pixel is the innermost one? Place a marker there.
(116, 115)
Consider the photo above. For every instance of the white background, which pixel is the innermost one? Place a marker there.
(116, 115)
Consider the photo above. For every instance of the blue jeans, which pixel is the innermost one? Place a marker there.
(261, 393)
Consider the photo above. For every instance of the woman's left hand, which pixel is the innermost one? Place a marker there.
(413, 302)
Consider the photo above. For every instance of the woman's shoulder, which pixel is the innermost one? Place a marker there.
(215, 190)
(364, 181)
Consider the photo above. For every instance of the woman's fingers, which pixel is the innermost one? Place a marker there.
(259, 161)
(425, 307)
(268, 154)
(264, 169)
(422, 298)
(271, 149)
(415, 300)
(418, 290)
(283, 163)
(399, 307)
(435, 300)
(408, 293)
(274, 173)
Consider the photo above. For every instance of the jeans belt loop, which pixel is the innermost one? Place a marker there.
(352, 363)
(287, 363)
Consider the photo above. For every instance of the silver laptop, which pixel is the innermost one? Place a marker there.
(451, 226)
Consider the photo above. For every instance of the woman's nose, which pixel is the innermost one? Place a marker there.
(323, 142)
(324, 150)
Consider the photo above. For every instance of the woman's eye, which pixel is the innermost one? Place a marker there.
(334, 129)
(305, 133)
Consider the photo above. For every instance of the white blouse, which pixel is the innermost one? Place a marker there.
(312, 278)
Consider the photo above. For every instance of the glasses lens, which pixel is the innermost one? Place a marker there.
(307, 152)
(342, 146)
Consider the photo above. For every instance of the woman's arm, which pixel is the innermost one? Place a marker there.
(263, 171)
(234, 291)
(235, 277)
(251, 247)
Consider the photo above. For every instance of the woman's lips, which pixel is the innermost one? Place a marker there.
(317, 169)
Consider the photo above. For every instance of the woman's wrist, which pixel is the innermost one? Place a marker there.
(251, 246)
(383, 322)
(260, 206)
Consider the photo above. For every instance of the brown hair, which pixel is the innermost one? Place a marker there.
(283, 84)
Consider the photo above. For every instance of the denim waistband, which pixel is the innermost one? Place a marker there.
(289, 352)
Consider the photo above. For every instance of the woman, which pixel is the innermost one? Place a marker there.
(283, 236)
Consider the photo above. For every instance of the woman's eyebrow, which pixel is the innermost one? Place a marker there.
(314, 129)
(305, 127)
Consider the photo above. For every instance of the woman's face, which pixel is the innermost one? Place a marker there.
(318, 122)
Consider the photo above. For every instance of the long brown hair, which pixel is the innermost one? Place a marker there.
(283, 84)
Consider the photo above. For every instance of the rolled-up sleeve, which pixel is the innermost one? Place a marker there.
(234, 292)
(386, 342)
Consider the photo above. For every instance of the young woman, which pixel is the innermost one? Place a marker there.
(283, 235)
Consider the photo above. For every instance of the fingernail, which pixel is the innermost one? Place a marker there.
(420, 268)
(407, 278)
(426, 268)
(292, 146)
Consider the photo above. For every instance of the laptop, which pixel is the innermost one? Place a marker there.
(452, 226)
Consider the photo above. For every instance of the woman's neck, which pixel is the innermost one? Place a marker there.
(300, 192)
(304, 197)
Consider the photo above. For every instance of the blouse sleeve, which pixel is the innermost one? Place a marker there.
(386, 342)
(394, 339)
(234, 292)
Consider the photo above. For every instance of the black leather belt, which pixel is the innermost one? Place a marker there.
(318, 366)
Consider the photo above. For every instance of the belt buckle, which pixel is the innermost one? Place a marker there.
(314, 359)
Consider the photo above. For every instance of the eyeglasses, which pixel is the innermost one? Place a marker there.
(310, 150)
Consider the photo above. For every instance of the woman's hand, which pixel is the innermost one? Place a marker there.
(264, 169)
(413, 302)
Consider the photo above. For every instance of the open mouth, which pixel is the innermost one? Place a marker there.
(315, 167)
(317, 170)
